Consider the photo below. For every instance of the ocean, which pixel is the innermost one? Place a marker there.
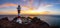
(53, 20)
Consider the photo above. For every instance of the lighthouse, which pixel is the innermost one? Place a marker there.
(18, 9)
(19, 20)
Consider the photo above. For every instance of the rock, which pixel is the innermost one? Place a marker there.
(4, 23)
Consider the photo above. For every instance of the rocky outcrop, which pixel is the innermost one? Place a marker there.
(35, 23)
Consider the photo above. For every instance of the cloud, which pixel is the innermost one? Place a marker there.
(45, 12)
(8, 13)
(44, 7)
(8, 5)
(34, 12)
(15, 5)
(30, 12)
(27, 8)
(30, 2)
(25, 12)
(24, 0)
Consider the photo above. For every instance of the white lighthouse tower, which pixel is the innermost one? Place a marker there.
(19, 17)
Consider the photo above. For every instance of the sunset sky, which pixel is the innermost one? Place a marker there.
(50, 7)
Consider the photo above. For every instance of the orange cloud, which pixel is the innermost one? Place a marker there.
(30, 12)
(34, 12)
(1, 12)
(10, 4)
(7, 5)
(10, 12)
(45, 12)
(27, 8)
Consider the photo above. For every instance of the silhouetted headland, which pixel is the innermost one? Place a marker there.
(27, 23)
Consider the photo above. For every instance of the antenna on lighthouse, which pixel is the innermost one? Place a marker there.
(19, 17)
